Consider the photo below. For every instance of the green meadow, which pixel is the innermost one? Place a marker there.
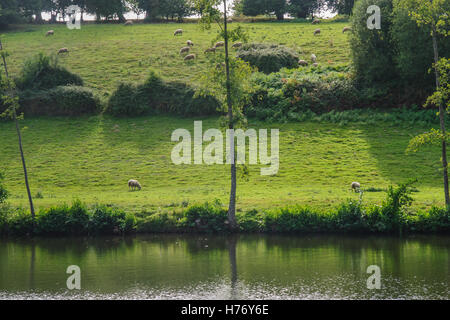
(92, 159)
(103, 55)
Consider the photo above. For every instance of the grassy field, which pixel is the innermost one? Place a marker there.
(106, 54)
(93, 158)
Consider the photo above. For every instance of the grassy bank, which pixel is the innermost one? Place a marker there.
(92, 158)
(105, 54)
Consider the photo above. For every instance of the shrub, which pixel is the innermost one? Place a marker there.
(158, 222)
(77, 220)
(268, 57)
(205, 218)
(60, 101)
(349, 216)
(435, 220)
(19, 223)
(158, 96)
(52, 221)
(108, 220)
(283, 95)
(295, 219)
(3, 191)
(250, 221)
(43, 72)
(372, 51)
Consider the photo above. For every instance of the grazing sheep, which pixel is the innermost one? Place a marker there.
(317, 31)
(210, 50)
(178, 31)
(237, 45)
(315, 64)
(302, 62)
(356, 186)
(316, 21)
(219, 44)
(50, 33)
(185, 49)
(313, 58)
(133, 184)
(128, 23)
(229, 20)
(63, 50)
(190, 43)
(189, 57)
(346, 29)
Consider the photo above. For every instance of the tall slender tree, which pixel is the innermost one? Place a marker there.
(228, 82)
(11, 100)
(434, 15)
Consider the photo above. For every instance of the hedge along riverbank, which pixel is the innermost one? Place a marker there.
(392, 216)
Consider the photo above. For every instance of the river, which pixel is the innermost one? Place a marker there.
(227, 267)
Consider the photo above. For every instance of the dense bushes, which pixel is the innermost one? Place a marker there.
(293, 92)
(60, 101)
(396, 57)
(67, 220)
(43, 72)
(268, 57)
(158, 96)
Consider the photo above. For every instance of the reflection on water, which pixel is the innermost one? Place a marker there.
(234, 267)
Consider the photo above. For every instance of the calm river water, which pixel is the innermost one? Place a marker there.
(237, 267)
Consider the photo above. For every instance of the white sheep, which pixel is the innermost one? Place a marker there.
(313, 58)
(219, 44)
(315, 64)
(50, 33)
(178, 31)
(356, 186)
(185, 49)
(302, 62)
(237, 45)
(210, 50)
(63, 50)
(133, 184)
(317, 31)
(189, 57)
(346, 29)
(316, 21)
(190, 43)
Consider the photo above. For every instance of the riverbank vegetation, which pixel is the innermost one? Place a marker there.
(393, 215)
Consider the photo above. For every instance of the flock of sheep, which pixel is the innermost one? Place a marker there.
(189, 44)
(191, 56)
(134, 184)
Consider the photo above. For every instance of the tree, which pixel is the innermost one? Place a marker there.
(11, 101)
(303, 8)
(434, 15)
(227, 81)
(257, 7)
(107, 9)
(341, 6)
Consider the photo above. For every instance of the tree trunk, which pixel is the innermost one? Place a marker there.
(441, 119)
(38, 17)
(280, 15)
(232, 205)
(30, 199)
